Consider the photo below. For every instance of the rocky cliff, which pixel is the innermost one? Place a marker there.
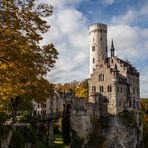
(120, 131)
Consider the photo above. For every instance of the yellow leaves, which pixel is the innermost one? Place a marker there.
(23, 63)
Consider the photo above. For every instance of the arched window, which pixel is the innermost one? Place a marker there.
(93, 48)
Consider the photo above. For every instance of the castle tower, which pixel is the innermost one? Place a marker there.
(98, 44)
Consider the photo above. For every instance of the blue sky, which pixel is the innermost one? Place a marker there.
(127, 25)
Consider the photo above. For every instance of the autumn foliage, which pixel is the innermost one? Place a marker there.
(23, 62)
(144, 108)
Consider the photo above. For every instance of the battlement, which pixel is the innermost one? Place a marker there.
(97, 27)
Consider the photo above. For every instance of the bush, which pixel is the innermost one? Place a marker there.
(3, 117)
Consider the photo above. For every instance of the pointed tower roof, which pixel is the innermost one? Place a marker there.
(112, 45)
(112, 49)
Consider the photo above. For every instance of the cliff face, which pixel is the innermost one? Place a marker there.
(120, 131)
(123, 131)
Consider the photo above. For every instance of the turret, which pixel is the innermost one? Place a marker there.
(98, 44)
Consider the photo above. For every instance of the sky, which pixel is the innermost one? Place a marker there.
(127, 25)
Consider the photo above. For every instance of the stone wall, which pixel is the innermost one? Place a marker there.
(82, 117)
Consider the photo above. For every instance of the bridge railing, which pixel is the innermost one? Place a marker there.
(50, 116)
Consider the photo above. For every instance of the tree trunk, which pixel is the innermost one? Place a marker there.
(14, 106)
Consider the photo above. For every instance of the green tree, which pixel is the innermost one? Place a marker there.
(23, 62)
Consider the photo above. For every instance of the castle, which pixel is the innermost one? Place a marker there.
(113, 82)
(113, 87)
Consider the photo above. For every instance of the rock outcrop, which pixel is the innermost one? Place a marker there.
(120, 131)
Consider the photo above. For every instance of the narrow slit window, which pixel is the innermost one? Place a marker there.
(93, 60)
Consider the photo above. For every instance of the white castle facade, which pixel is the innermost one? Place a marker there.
(113, 83)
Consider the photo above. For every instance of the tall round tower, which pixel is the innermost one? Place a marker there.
(98, 44)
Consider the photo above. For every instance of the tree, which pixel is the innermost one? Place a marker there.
(79, 89)
(82, 89)
(23, 62)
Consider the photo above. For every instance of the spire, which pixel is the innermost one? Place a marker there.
(112, 49)
(112, 46)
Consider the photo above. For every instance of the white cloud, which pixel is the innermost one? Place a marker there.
(127, 18)
(130, 42)
(144, 82)
(108, 2)
(132, 16)
(69, 34)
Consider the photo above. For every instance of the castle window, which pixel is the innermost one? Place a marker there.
(93, 39)
(106, 48)
(121, 89)
(124, 103)
(130, 102)
(110, 88)
(93, 88)
(134, 103)
(93, 60)
(102, 88)
(93, 48)
(101, 77)
(100, 38)
(133, 90)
